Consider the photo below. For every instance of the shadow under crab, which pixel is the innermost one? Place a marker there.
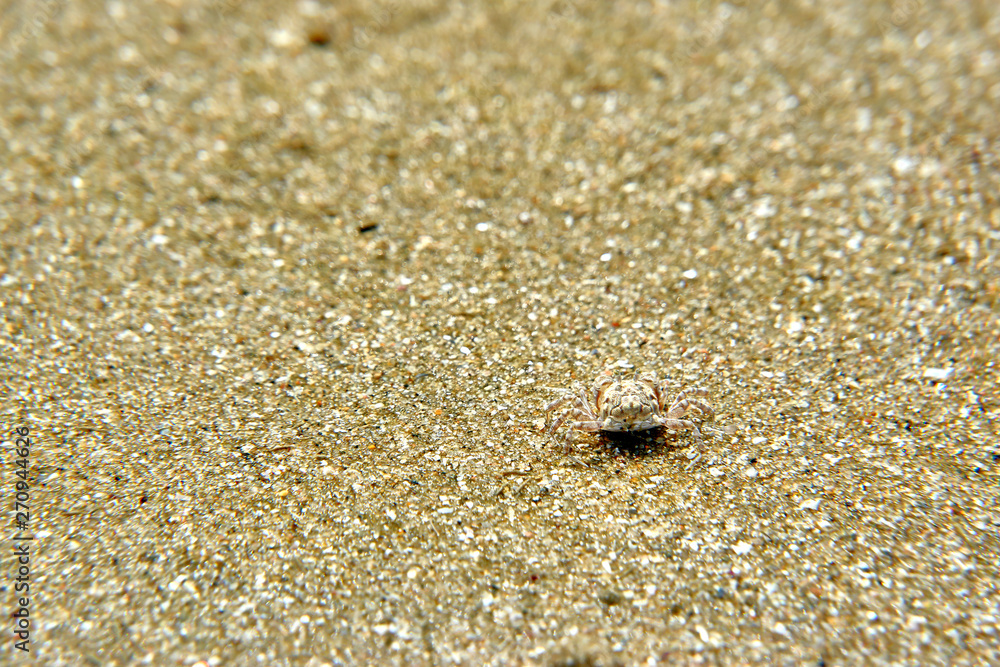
(643, 443)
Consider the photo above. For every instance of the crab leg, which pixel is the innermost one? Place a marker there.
(682, 403)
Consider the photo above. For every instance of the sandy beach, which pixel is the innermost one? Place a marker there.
(286, 288)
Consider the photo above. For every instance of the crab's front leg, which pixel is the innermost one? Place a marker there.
(571, 411)
(579, 395)
(562, 400)
(600, 384)
(586, 420)
(684, 402)
(580, 410)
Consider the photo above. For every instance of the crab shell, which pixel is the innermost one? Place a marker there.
(628, 405)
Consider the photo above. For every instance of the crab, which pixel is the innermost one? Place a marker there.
(627, 406)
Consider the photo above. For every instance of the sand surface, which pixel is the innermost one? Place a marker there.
(285, 288)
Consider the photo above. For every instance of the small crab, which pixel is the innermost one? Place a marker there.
(617, 406)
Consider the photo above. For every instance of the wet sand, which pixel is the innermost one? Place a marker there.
(286, 289)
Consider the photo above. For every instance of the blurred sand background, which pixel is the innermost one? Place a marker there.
(285, 287)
